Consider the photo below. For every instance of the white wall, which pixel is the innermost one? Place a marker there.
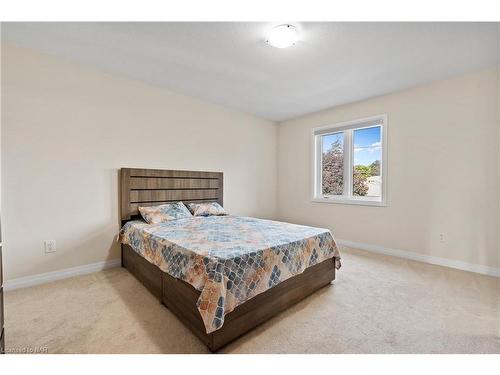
(443, 171)
(67, 129)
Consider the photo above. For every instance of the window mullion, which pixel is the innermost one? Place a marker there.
(319, 167)
(347, 163)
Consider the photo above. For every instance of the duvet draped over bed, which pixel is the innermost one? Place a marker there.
(229, 259)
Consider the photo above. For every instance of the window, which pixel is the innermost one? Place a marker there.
(350, 162)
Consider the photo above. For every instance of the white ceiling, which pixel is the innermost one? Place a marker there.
(230, 63)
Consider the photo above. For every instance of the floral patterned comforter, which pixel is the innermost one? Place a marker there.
(230, 259)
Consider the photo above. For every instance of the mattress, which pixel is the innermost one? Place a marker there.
(229, 259)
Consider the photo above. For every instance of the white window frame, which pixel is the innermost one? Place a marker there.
(347, 127)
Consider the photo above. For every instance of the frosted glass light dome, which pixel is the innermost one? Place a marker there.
(283, 36)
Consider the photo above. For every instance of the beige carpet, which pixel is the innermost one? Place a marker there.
(378, 304)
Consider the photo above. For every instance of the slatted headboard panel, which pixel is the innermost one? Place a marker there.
(151, 187)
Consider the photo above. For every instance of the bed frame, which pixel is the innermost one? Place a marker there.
(149, 187)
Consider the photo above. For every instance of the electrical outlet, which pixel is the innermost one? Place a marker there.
(50, 246)
(441, 237)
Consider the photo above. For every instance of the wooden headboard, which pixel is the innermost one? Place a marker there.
(151, 187)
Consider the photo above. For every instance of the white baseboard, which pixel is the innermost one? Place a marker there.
(464, 266)
(24, 282)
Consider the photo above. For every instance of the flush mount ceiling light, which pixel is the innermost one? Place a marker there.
(283, 36)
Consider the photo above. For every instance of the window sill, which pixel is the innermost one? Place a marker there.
(359, 202)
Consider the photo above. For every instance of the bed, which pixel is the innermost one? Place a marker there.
(220, 275)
